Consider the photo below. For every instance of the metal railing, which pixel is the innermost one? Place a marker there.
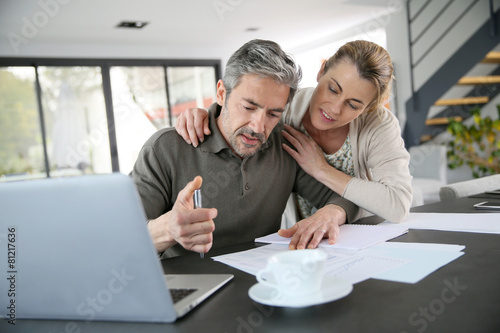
(432, 29)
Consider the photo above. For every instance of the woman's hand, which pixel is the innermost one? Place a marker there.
(309, 232)
(192, 125)
(307, 153)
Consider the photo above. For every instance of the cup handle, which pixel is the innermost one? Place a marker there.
(261, 280)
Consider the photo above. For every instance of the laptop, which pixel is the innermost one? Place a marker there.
(79, 249)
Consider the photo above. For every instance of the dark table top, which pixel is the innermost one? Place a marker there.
(463, 296)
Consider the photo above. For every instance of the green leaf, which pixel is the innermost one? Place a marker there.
(471, 144)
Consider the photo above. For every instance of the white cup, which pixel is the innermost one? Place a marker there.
(294, 273)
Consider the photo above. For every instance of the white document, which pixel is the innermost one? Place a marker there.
(357, 267)
(425, 259)
(347, 265)
(351, 236)
(471, 222)
(253, 260)
(393, 261)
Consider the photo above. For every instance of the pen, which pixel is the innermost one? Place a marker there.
(198, 204)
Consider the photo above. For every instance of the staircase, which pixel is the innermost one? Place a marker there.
(457, 109)
(446, 24)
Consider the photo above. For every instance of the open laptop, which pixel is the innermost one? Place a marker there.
(79, 249)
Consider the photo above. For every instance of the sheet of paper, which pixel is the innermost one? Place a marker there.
(357, 267)
(473, 222)
(348, 265)
(393, 261)
(424, 259)
(253, 260)
(351, 236)
(419, 246)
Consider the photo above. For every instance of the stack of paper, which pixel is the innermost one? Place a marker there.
(393, 261)
(361, 252)
(351, 236)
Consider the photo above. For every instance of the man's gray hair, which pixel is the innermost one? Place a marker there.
(266, 59)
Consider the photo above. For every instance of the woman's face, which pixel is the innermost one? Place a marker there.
(340, 97)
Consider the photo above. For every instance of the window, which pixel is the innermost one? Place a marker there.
(75, 120)
(141, 106)
(191, 87)
(21, 148)
(62, 117)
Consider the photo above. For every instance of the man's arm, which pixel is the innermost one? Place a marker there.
(171, 222)
(320, 195)
(191, 228)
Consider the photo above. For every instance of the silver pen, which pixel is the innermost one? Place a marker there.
(198, 204)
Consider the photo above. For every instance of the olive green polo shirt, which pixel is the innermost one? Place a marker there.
(250, 194)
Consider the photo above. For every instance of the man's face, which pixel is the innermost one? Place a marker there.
(253, 109)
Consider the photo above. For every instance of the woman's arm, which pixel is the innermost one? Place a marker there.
(311, 159)
(384, 183)
(384, 189)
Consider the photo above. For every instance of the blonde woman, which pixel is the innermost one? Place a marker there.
(341, 134)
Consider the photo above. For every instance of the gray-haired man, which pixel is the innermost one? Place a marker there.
(247, 176)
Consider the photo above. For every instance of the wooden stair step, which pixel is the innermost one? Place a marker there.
(492, 58)
(442, 121)
(425, 138)
(472, 80)
(462, 101)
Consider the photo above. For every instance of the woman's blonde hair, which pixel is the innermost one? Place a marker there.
(373, 63)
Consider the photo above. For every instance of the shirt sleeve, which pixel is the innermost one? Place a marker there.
(151, 183)
(319, 195)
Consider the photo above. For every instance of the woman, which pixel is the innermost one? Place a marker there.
(342, 135)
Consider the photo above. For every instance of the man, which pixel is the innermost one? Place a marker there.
(246, 174)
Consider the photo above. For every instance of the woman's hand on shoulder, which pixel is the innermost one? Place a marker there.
(307, 152)
(192, 125)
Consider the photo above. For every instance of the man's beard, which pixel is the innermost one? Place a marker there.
(242, 151)
(233, 137)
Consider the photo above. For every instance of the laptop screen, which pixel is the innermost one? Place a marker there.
(80, 249)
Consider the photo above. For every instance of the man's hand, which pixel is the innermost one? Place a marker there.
(192, 125)
(309, 232)
(192, 228)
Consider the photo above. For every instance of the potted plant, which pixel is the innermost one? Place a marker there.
(477, 145)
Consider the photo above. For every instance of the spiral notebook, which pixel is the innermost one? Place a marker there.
(351, 236)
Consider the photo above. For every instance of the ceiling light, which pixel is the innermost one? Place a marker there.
(251, 29)
(132, 24)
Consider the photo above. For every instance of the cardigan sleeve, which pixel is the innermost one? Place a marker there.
(383, 186)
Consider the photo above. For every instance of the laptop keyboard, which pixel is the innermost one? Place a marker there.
(178, 294)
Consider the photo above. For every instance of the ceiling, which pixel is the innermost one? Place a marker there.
(187, 28)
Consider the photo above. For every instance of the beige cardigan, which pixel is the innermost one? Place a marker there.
(382, 185)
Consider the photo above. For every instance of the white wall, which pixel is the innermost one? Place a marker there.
(398, 48)
(452, 41)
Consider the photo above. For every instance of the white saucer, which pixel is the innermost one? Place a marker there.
(332, 288)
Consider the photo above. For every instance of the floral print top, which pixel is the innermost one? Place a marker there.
(341, 160)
